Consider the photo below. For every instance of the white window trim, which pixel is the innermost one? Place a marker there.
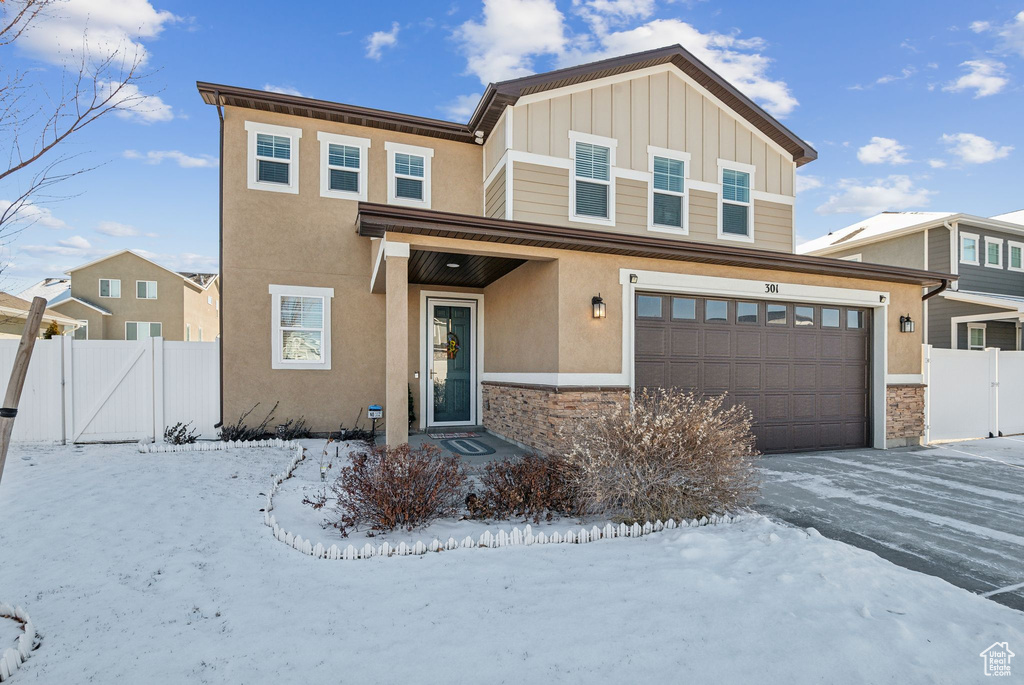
(1010, 246)
(109, 297)
(295, 134)
(683, 157)
(994, 241)
(724, 164)
(611, 144)
(326, 140)
(427, 154)
(82, 323)
(984, 339)
(977, 248)
(148, 323)
(276, 360)
(853, 257)
(147, 290)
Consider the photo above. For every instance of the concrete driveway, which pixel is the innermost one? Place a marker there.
(955, 511)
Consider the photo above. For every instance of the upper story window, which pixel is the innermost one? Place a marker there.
(145, 290)
(409, 174)
(667, 202)
(301, 327)
(273, 157)
(736, 215)
(110, 287)
(969, 249)
(343, 166)
(1015, 256)
(592, 187)
(994, 252)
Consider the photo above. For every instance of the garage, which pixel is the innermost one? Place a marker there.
(802, 369)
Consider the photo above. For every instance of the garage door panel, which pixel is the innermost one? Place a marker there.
(807, 387)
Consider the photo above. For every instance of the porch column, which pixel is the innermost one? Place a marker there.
(396, 395)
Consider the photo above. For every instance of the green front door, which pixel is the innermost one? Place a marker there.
(452, 364)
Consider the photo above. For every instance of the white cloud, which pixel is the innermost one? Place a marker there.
(378, 40)
(75, 246)
(1010, 34)
(882, 151)
(133, 104)
(984, 77)
(974, 149)
(76, 241)
(117, 230)
(805, 182)
(29, 214)
(109, 25)
(512, 33)
(905, 73)
(181, 261)
(183, 160)
(937, 163)
(283, 90)
(871, 197)
(461, 108)
(737, 59)
(602, 13)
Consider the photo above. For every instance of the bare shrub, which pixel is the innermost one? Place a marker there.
(181, 434)
(533, 486)
(293, 429)
(674, 455)
(398, 487)
(240, 430)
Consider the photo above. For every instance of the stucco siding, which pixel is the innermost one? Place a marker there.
(906, 250)
(664, 110)
(81, 312)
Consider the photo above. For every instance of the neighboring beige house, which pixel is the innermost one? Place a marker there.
(591, 231)
(14, 311)
(125, 296)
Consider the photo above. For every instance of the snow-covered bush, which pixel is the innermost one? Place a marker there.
(181, 434)
(398, 487)
(533, 486)
(674, 455)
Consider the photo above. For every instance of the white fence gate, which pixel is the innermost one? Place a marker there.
(973, 393)
(110, 390)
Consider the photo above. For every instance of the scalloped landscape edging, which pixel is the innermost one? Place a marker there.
(486, 539)
(13, 657)
(215, 445)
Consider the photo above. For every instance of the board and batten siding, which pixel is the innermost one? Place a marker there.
(987, 279)
(494, 148)
(663, 110)
(494, 196)
(540, 194)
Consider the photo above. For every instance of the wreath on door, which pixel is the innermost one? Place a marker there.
(453, 345)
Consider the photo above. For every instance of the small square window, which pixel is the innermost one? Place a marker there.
(775, 314)
(409, 174)
(976, 337)
(803, 316)
(716, 311)
(145, 290)
(273, 156)
(746, 312)
(110, 287)
(829, 317)
(684, 308)
(854, 318)
(648, 306)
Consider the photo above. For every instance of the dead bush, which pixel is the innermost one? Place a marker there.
(398, 487)
(533, 487)
(674, 455)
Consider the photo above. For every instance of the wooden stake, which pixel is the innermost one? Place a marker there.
(17, 382)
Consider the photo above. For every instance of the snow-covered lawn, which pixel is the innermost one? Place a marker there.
(158, 569)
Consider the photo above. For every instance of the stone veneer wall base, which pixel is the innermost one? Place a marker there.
(904, 415)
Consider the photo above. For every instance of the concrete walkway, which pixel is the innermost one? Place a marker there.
(955, 511)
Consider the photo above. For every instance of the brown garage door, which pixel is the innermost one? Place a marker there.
(802, 369)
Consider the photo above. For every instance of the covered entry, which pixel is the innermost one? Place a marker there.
(802, 369)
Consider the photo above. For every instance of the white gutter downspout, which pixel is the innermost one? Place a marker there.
(954, 248)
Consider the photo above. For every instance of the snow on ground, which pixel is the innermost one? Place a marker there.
(158, 569)
(10, 631)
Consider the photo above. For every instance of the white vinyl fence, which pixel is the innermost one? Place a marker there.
(114, 390)
(973, 393)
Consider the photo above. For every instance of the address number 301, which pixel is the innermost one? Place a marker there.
(771, 288)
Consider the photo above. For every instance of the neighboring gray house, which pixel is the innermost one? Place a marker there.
(985, 307)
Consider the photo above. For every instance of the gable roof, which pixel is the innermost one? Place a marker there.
(50, 289)
(10, 305)
(1013, 217)
(85, 303)
(201, 280)
(497, 96)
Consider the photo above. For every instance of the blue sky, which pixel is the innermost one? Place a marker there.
(911, 105)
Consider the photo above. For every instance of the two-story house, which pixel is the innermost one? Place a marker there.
(985, 306)
(125, 296)
(589, 232)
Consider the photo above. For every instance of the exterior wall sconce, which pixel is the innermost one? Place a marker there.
(906, 324)
(599, 307)
(633, 278)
